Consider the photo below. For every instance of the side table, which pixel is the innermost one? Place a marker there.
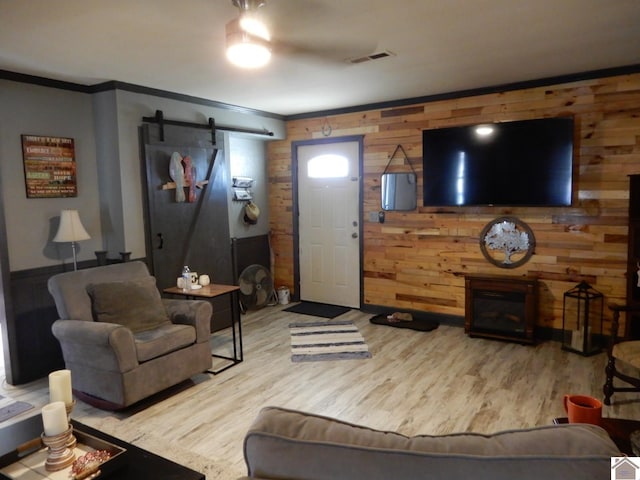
(215, 290)
(619, 429)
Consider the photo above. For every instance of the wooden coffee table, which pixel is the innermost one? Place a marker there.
(619, 429)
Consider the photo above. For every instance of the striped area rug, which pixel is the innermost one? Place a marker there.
(335, 340)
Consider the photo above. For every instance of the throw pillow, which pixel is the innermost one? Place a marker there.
(135, 304)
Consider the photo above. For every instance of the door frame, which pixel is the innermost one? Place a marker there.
(296, 207)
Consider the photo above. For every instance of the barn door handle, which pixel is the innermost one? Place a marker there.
(160, 241)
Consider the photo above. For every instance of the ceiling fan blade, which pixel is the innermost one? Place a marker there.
(322, 51)
(304, 30)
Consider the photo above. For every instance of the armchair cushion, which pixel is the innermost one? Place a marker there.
(162, 340)
(134, 304)
(628, 352)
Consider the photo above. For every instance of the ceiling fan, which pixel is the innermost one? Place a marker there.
(250, 44)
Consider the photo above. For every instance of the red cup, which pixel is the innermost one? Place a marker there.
(583, 409)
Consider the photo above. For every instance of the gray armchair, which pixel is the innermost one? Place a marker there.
(121, 340)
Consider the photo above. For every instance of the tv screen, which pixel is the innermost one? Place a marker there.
(522, 163)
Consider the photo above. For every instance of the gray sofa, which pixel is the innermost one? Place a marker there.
(121, 340)
(287, 444)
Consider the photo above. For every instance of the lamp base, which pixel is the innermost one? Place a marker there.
(75, 260)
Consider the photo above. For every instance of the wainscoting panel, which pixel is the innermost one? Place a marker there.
(38, 352)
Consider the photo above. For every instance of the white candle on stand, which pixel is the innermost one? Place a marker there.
(54, 419)
(60, 387)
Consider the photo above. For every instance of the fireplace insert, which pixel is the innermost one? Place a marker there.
(499, 312)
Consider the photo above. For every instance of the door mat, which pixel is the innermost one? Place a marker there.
(10, 408)
(318, 341)
(422, 325)
(317, 309)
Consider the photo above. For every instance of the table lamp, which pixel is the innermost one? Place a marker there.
(71, 230)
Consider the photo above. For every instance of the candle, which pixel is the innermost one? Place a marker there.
(60, 387)
(54, 419)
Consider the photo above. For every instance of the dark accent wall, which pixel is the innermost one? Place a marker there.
(37, 352)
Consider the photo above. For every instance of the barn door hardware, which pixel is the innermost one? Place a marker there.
(210, 125)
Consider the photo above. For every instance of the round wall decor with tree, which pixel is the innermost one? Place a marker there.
(507, 242)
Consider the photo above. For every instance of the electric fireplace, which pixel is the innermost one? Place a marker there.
(500, 307)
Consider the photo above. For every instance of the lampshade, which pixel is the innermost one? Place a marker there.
(247, 42)
(70, 228)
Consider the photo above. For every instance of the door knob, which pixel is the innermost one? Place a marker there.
(354, 235)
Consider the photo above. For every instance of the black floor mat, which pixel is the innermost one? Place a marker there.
(422, 325)
(317, 309)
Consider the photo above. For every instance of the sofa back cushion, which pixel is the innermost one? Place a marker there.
(287, 444)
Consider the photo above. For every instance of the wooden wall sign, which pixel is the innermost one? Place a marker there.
(49, 166)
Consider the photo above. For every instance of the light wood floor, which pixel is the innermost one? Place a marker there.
(416, 382)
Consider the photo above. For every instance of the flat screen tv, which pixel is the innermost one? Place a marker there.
(521, 163)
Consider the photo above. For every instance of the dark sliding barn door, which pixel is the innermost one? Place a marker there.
(188, 233)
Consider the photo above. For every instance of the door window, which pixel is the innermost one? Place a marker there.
(328, 166)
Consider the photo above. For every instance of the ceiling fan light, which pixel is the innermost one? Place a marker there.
(248, 54)
(246, 49)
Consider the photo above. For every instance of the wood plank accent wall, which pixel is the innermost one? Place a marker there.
(417, 260)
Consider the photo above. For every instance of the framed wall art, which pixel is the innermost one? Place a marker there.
(49, 166)
(507, 242)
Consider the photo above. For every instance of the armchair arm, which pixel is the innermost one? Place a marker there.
(196, 313)
(99, 345)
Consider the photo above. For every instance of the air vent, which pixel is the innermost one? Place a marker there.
(373, 56)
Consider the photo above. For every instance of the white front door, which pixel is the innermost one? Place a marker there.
(329, 222)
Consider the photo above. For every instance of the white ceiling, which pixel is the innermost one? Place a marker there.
(439, 46)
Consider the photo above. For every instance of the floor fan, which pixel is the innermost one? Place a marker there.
(256, 288)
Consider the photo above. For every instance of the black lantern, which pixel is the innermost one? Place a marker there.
(582, 320)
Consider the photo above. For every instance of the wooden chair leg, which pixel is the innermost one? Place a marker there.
(608, 385)
(610, 370)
